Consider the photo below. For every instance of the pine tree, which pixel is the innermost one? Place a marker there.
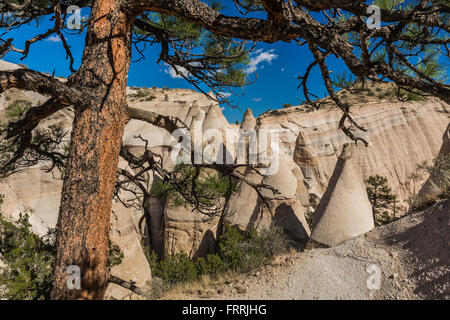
(381, 197)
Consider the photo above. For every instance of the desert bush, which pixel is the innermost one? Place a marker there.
(276, 113)
(210, 188)
(246, 251)
(29, 260)
(236, 251)
(287, 105)
(175, 268)
(17, 109)
(115, 255)
(141, 93)
(212, 264)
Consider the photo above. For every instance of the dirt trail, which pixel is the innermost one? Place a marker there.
(412, 253)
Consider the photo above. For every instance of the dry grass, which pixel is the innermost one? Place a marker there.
(205, 287)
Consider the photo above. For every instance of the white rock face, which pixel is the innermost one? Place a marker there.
(134, 266)
(249, 121)
(35, 191)
(433, 187)
(344, 211)
(188, 231)
(401, 136)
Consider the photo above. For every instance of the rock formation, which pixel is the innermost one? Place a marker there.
(306, 157)
(249, 121)
(214, 119)
(134, 266)
(286, 210)
(344, 211)
(188, 231)
(401, 135)
(433, 187)
(193, 111)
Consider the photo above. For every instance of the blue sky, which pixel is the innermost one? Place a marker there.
(276, 65)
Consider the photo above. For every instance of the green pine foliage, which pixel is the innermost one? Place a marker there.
(29, 259)
(209, 188)
(382, 199)
(218, 58)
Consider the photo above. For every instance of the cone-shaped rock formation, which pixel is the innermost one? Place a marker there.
(344, 211)
(249, 121)
(433, 187)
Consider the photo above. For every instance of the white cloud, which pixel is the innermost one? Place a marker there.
(173, 74)
(225, 94)
(258, 57)
(53, 38)
(171, 71)
(256, 99)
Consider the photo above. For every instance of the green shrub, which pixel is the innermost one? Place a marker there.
(244, 252)
(230, 246)
(141, 93)
(212, 265)
(115, 255)
(238, 251)
(29, 259)
(383, 95)
(17, 109)
(176, 268)
(440, 170)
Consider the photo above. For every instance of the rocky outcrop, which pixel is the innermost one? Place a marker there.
(286, 210)
(214, 119)
(308, 161)
(249, 121)
(439, 177)
(134, 266)
(344, 211)
(401, 135)
(36, 192)
(188, 231)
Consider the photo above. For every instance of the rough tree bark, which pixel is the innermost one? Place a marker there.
(84, 216)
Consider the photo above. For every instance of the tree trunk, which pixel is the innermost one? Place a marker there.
(84, 216)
